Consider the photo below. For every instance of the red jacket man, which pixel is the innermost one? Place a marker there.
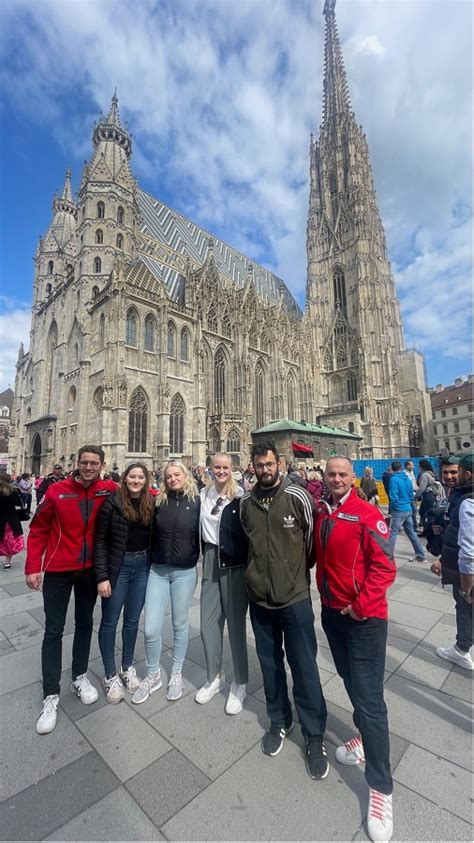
(354, 569)
(59, 558)
(355, 564)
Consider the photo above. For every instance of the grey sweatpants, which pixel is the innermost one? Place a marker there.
(223, 597)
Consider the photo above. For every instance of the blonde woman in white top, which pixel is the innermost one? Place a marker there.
(223, 592)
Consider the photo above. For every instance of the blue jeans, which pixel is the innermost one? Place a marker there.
(405, 520)
(358, 649)
(128, 594)
(168, 583)
(291, 627)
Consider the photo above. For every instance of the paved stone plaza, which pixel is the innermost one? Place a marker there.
(180, 771)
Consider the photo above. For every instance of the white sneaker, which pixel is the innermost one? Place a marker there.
(130, 679)
(210, 689)
(235, 700)
(47, 719)
(352, 752)
(147, 686)
(113, 689)
(175, 687)
(452, 654)
(84, 690)
(379, 817)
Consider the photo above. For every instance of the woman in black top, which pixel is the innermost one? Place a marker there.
(173, 576)
(121, 562)
(11, 532)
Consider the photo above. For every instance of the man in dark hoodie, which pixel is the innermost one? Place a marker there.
(278, 520)
(457, 563)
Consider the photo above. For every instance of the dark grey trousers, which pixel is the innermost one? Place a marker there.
(223, 598)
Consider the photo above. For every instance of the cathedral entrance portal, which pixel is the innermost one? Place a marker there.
(36, 455)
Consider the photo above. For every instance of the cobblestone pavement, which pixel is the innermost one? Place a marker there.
(181, 771)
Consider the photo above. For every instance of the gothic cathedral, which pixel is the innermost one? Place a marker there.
(157, 340)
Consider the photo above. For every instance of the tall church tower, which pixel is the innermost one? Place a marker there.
(351, 294)
(108, 214)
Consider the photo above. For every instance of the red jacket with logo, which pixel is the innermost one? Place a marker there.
(354, 561)
(62, 530)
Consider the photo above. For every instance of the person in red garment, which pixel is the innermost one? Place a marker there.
(354, 569)
(59, 559)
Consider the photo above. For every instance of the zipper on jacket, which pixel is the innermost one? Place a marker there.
(84, 543)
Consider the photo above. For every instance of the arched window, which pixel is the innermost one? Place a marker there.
(76, 354)
(215, 440)
(50, 267)
(131, 328)
(185, 345)
(219, 380)
(226, 326)
(233, 441)
(339, 288)
(119, 241)
(259, 396)
(171, 339)
(350, 427)
(97, 265)
(69, 272)
(291, 391)
(95, 291)
(99, 236)
(102, 330)
(351, 387)
(177, 414)
(212, 319)
(100, 210)
(49, 289)
(137, 421)
(71, 397)
(98, 399)
(150, 327)
(120, 214)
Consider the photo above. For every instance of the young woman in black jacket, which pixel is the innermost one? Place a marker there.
(173, 576)
(121, 562)
(11, 531)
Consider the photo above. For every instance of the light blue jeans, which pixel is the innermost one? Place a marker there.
(405, 520)
(168, 583)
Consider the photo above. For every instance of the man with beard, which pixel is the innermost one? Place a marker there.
(437, 518)
(277, 517)
(457, 563)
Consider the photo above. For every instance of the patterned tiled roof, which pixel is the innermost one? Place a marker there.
(179, 238)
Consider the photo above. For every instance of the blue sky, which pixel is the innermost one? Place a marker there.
(220, 98)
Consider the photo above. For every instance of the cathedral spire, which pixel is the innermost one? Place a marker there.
(114, 116)
(111, 129)
(336, 93)
(65, 202)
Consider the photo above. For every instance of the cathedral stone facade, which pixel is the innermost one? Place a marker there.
(157, 340)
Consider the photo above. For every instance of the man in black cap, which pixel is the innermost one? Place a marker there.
(457, 563)
(56, 474)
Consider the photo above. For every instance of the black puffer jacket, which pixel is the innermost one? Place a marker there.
(176, 531)
(110, 540)
(450, 552)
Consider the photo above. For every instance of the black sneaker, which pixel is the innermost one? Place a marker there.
(272, 741)
(316, 758)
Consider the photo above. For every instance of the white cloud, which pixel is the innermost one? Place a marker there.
(221, 98)
(15, 321)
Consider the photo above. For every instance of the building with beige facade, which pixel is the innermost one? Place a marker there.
(158, 340)
(453, 416)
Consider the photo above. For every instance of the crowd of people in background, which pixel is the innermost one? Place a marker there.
(135, 539)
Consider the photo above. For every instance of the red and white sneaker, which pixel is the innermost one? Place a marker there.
(352, 752)
(379, 817)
